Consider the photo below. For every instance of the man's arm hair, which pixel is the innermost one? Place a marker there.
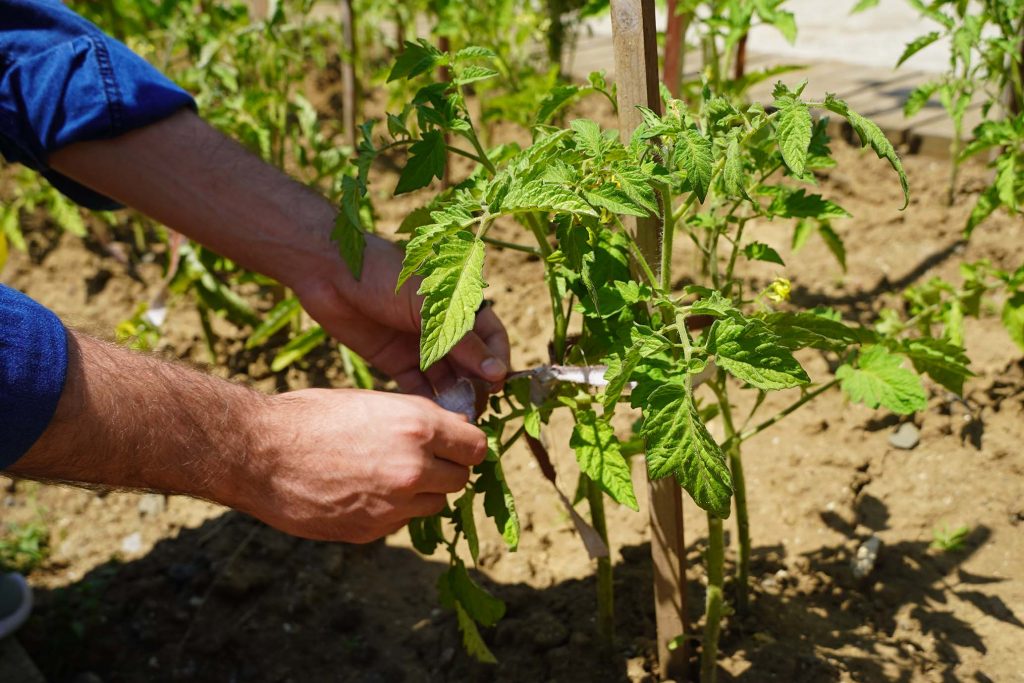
(132, 421)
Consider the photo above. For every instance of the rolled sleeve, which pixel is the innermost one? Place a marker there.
(62, 81)
(33, 367)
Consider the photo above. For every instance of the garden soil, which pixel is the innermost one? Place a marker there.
(139, 587)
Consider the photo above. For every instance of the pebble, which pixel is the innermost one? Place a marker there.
(906, 436)
(132, 543)
(152, 504)
(863, 562)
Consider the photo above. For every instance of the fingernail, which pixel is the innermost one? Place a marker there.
(493, 369)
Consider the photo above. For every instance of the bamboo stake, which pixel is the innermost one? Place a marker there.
(636, 76)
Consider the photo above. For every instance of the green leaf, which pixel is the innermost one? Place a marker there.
(678, 444)
(801, 231)
(796, 203)
(863, 5)
(813, 329)
(427, 158)
(870, 134)
(588, 136)
(944, 362)
(415, 59)
(471, 638)
(695, 153)
(733, 174)
(918, 98)
(348, 230)
(711, 302)
(426, 534)
(988, 201)
(474, 73)
(753, 353)
(483, 607)
(916, 45)
(453, 290)
(498, 501)
(1013, 318)
(66, 214)
(599, 455)
(759, 251)
(298, 347)
(464, 508)
(557, 99)
(634, 182)
(880, 380)
(645, 343)
(834, 243)
(793, 128)
(280, 315)
(540, 196)
(616, 200)
(475, 52)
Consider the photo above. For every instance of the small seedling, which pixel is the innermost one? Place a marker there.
(950, 540)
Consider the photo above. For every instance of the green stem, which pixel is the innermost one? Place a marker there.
(638, 254)
(668, 236)
(809, 396)
(605, 588)
(512, 245)
(558, 314)
(739, 488)
(715, 604)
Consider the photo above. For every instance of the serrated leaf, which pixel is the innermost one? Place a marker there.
(474, 73)
(348, 231)
(751, 352)
(733, 174)
(415, 219)
(988, 201)
(471, 638)
(427, 158)
(679, 445)
(1013, 318)
(614, 200)
(793, 128)
(870, 134)
(801, 231)
(863, 5)
(464, 508)
(796, 203)
(588, 136)
(711, 302)
(759, 251)
(812, 329)
(420, 248)
(425, 534)
(944, 362)
(880, 380)
(695, 153)
(644, 343)
(599, 455)
(453, 290)
(498, 501)
(540, 196)
(634, 183)
(834, 243)
(475, 52)
(556, 100)
(480, 605)
(916, 45)
(415, 59)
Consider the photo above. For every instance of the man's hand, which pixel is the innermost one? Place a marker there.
(332, 469)
(190, 177)
(338, 465)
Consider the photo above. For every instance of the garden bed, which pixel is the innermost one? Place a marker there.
(139, 588)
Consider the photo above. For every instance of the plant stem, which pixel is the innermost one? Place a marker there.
(605, 588)
(512, 245)
(810, 395)
(668, 236)
(715, 603)
(739, 488)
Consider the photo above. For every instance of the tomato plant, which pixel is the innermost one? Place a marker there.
(713, 171)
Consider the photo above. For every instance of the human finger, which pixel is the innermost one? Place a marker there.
(443, 476)
(426, 504)
(456, 440)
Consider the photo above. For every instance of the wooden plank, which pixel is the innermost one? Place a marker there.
(636, 69)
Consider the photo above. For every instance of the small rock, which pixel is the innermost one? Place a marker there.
(906, 436)
(548, 631)
(863, 562)
(152, 504)
(635, 670)
(132, 543)
(782, 577)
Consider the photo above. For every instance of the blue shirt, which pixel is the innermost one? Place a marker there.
(62, 80)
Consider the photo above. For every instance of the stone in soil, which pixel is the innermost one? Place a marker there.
(906, 436)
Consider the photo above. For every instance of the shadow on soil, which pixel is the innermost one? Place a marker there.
(233, 600)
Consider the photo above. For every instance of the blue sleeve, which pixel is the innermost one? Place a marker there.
(62, 80)
(33, 365)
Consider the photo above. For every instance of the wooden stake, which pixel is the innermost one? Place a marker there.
(349, 83)
(675, 35)
(636, 77)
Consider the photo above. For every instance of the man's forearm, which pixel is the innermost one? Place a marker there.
(185, 174)
(131, 421)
